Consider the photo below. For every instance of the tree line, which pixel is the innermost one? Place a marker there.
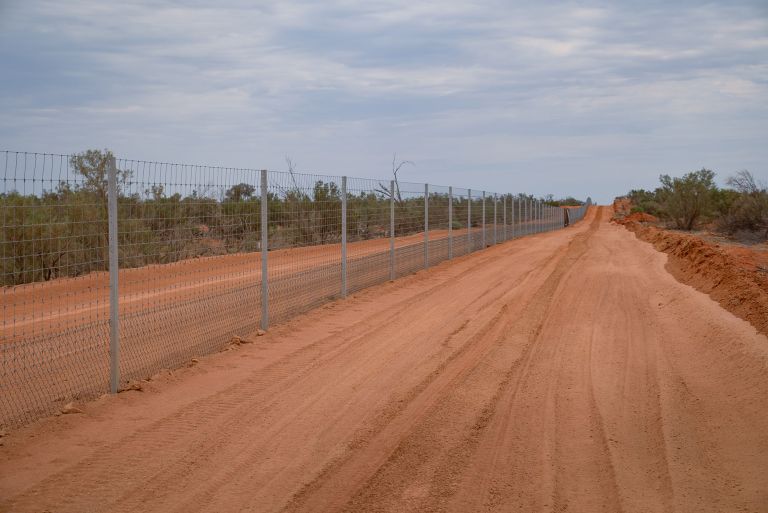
(694, 199)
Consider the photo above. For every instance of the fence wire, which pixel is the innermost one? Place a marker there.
(189, 245)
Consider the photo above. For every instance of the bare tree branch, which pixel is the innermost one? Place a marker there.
(744, 182)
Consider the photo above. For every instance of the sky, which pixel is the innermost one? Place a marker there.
(563, 98)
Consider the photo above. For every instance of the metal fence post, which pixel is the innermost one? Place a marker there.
(426, 225)
(469, 221)
(528, 215)
(392, 230)
(504, 217)
(483, 222)
(450, 223)
(523, 219)
(264, 252)
(541, 216)
(495, 217)
(114, 307)
(343, 236)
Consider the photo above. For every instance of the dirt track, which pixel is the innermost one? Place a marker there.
(567, 371)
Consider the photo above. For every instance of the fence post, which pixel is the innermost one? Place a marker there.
(114, 307)
(450, 223)
(524, 218)
(495, 217)
(483, 222)
(529, 224)
(392, 230)
(426, 225)
(469, 221)
(504, 216)
(264, 252)
(343, 236)
(541, 216)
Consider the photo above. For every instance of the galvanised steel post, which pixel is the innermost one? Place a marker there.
(392, 230)
(512, 211)
(538, 216)
(343, 236)
(469, 221)
(426, 225)
(520, 215)
(495, 203)
(549, 217)
(504, 217)
(450, 223)
(114, 307)
(483, 225)
(264, 252)
(529, 214)
(525, 216)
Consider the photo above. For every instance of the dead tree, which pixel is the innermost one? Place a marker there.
(396, 166)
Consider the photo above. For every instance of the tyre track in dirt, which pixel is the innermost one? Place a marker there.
(453, 448)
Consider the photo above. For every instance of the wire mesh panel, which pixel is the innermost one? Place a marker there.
(438, 224)
(477, 221)
(304, 242)
(409, 228)
(189, 261)
(368, 232)
(55, 297)
(492, 236)
(461, 230)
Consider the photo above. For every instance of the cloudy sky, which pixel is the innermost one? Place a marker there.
(561, 98)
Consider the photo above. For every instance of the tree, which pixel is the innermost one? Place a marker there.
(743, 182)
(685, 200)
(92, 165)
(240, 192)
(396, 166)
(746, 207)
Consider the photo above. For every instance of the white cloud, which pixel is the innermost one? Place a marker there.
(489, 85)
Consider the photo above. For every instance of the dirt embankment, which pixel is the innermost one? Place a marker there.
(735, 277)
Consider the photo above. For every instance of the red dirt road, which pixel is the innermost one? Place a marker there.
(562, 372)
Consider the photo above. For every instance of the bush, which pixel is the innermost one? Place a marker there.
(746, 207)
(685, 200)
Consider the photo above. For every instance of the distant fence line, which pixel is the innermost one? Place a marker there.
(113, 269)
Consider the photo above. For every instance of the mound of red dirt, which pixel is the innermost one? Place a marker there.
(636, 217)
(621, 206)
(738, 281)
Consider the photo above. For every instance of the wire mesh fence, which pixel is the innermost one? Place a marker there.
(114, 269)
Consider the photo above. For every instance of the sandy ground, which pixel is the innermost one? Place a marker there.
(568, 371)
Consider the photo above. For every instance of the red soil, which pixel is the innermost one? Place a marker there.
(736, 277)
